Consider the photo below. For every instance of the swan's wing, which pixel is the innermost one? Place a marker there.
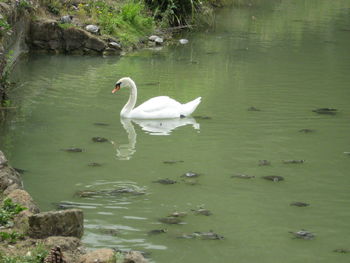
(157, 104)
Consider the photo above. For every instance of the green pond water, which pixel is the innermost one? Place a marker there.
(285, 58)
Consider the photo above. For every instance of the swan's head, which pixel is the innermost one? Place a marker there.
(122, 83)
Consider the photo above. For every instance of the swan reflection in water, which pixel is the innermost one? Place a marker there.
(152, 127)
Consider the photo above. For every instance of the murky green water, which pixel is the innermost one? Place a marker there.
(285, 58)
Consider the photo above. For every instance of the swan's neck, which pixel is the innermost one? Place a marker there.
(132, 100)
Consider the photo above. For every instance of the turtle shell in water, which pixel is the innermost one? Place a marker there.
(165, 181)
(275, 178)
(190, 175)
(300, 204)
(303, 234)
(99, 139)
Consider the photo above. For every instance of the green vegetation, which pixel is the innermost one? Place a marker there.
(65, 25)
(4, 27)
(35, 256)
(10, 237)
(8, 210)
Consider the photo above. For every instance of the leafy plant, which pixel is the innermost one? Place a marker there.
(10, 237)
(4, 26)
(8, 210)
(35, 256)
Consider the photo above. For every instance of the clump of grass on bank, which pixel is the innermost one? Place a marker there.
(37, 255)
(8, 210)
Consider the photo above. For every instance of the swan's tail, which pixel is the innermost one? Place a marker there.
(190, 107)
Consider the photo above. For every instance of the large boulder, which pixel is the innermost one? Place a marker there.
(103, 255)
(134, 257)
(56, 223)
(46, 34)
(74, 38)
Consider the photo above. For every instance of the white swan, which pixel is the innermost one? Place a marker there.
(161, 107)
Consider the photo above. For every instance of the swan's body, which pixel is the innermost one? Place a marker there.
(161, 107)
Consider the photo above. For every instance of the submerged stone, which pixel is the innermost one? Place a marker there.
(275, 178)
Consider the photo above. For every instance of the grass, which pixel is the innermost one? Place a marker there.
(8, 210)
(37, 255)
(10, 237)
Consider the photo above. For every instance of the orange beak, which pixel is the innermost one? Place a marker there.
(117, 87)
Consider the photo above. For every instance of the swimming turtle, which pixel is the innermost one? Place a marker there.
(293, 161)
(300, 204)
(111, 232)
(190, 175)
(202, 211)
(165, 181)
(329, 111)
(101, 124)
(178, 214)
(173, 161)
(73, 150)
(93, 164)
(170, 220)
(342, 250)
(252, 108)
(242, 176)
(303, 234)
(157, 231)
(99, 139)
(306, 130)
(264, 162)
(203, 235)
(275, 178)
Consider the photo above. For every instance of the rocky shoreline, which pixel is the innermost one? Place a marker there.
(54, 230)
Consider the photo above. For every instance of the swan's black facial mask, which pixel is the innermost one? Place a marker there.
(117, 87)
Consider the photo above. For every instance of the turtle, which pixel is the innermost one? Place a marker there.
(165, 181)
(101, 124)
(300, 204)
(93, 164)
(202, 211)
(178, 214)
(190, 175)
(172, 220)
(242, 176)
(275, 178)
(157, 231)
(264, 162)
(208, 235)
(252, 108)
(99, 139)
(342, 250)
(293, 161)
(306, 130)
(172, 161)
(73, 150)
(303, 234)
(329, 111)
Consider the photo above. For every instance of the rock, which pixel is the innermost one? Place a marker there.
(56, 223)
(134, 257)
(9, 180)
(190, 175)
(159, 41)
(95, 44)
(275, 178)
(183, 41)
(45, 34)
(65, 243)
(73, 150)
(22, 197)
(157, 231)
(66, 19)
(103, 255)
(3, 160)
(74, 38)
(202, 211)
(92, 29)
